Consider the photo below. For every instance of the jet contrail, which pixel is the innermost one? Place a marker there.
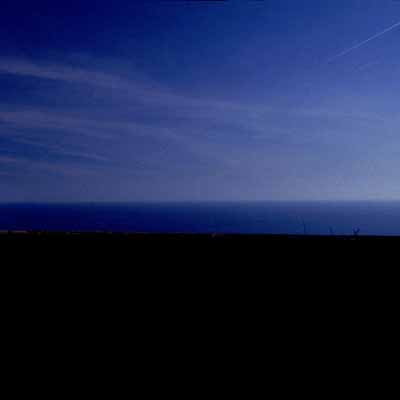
(343, 53)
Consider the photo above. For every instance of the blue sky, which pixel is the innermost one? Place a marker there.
(198, 100)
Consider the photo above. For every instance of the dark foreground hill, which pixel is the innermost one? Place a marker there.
(140, 248)
(81, 237)
(163, 287)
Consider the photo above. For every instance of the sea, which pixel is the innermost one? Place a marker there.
(310, 218)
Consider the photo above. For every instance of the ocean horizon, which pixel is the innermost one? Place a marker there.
(269, 217)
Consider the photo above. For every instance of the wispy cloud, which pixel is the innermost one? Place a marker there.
(66, 74)
(203, 129)
(127, 91)
(52, 120)
(364, 42)
(145, 91)
(108, 130)
(63, 151)
(29, 165)
(24, 121)
(368, 65)
(10, 160)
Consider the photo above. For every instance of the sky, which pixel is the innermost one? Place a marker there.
(199, 100)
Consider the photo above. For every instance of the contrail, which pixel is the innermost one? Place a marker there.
(343, 53)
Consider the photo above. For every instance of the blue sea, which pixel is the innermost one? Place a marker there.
(319, 218)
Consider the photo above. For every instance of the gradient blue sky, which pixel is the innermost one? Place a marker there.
(187, 100)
